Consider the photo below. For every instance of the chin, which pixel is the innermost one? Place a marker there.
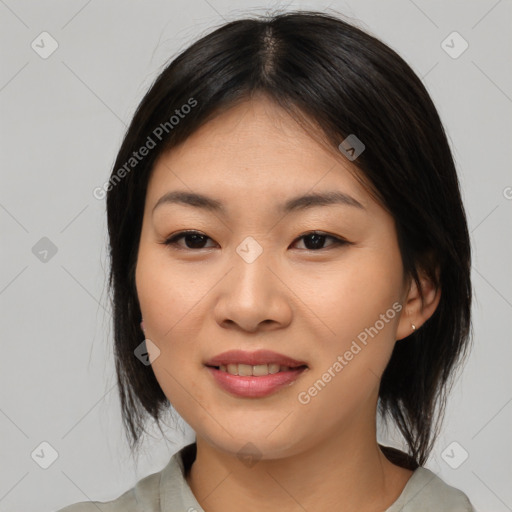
(254, 442)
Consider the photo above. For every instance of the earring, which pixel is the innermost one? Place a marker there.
(413, 327)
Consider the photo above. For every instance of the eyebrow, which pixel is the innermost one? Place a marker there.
(294, 204)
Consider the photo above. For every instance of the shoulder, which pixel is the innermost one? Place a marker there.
(425, 491)
(145, 495)
(156, 492)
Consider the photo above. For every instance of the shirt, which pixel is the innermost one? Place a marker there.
(168, 491)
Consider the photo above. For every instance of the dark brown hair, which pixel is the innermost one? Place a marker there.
(345, 81)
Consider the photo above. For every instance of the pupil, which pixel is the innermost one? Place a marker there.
(317, 241)
(196, 241)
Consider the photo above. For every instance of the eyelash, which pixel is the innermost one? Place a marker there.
(172, 240)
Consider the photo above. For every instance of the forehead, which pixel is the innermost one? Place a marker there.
(254, 149)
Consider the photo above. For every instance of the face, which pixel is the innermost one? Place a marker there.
(321, 283)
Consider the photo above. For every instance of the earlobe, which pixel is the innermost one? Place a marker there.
(416, 312)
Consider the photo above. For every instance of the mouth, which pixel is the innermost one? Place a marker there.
(258, 370)
(254, 374)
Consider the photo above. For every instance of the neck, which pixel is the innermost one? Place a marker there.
(347, 472)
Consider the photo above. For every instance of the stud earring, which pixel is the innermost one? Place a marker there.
(413, 327)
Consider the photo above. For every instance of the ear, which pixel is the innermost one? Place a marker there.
(414, 312)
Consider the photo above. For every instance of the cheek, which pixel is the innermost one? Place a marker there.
(167, 293)
(352, 296)
(360, 304)
(168, 301)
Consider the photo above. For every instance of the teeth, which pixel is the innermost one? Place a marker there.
(273, 368)
(246, 370)
(260, 369)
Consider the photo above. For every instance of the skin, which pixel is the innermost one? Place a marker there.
(307, 303)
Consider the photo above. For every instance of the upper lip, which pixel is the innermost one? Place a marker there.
(253, 358)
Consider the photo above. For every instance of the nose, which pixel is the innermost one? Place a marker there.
(253, 296)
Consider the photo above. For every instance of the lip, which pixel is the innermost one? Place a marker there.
(253, 358)
(254, 386)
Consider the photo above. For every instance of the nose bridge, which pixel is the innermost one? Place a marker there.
(251, 271)
(253, 294)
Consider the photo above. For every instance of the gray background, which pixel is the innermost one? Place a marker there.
(62, 120)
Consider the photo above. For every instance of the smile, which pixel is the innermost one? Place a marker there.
(249, 385)
(247, 370)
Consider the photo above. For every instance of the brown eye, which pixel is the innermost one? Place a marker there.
(193, 240)
(314, 241)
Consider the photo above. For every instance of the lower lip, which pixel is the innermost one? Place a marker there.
(254, 387)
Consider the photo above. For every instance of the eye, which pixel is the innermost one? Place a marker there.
(316, 239)
(194, 239)
(313, 241)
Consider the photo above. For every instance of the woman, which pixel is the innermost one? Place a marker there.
(284, 215)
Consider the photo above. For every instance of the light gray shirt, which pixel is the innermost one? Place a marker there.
(168, 491)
